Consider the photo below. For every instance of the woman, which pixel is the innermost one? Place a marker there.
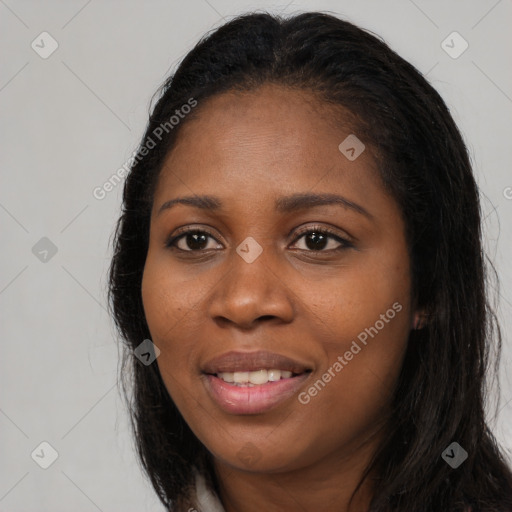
(300, 240)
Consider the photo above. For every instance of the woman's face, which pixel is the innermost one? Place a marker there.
(262, 290)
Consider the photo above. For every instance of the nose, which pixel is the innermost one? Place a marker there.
(251, 292)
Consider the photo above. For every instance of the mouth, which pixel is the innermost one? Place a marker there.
(257, 377)
(253, 382)
(253, 363)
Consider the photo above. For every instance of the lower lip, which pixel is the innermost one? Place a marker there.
(252, 400)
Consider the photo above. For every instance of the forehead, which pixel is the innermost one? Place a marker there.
(268, 142)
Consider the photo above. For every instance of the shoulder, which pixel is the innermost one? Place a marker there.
(206, 499)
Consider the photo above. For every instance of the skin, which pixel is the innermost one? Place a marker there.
(249, 149)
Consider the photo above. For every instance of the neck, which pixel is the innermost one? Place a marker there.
(327, 485)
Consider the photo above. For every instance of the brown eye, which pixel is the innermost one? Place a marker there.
(321, 239)
(191, 241)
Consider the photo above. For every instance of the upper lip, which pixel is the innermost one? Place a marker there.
(250, 361)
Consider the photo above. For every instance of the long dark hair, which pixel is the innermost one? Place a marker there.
(424, 165)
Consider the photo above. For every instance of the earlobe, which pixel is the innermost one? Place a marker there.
(419, 320)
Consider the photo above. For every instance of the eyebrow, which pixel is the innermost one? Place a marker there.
(287, 204)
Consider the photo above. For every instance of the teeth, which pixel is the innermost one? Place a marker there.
(228, 376)
(274, 375)
(254, 378)
(241, 377)
(258, 377)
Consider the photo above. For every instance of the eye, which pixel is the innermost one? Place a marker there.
(317, 238)
(195, 239)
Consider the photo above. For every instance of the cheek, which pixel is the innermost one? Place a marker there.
(174, 323)
(368, 315)
(163, 306)
(354, 388)
(170, 297)
(171, 304)
(353, 298)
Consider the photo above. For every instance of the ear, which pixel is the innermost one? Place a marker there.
(420, 320)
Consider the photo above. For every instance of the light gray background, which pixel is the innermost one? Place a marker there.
(71, 120)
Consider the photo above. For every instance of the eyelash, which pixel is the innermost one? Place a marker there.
(345, 244)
